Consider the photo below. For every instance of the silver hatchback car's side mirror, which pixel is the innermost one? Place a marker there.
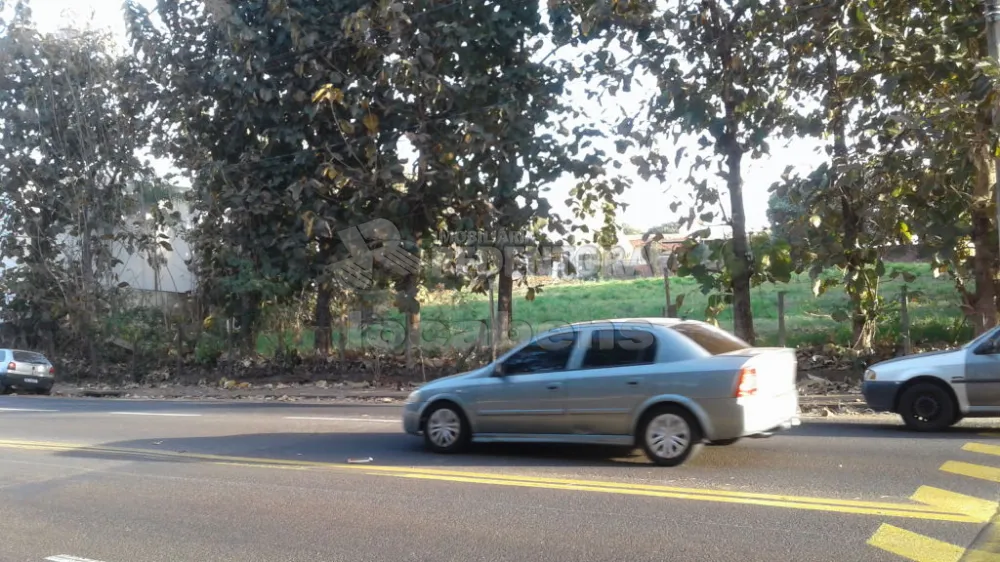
(498, 370)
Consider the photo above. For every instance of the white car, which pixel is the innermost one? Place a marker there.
(934, 390)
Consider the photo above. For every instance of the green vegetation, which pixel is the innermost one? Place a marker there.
(314, 132)
(452, 317)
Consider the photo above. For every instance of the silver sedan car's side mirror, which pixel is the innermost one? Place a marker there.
(498, 370)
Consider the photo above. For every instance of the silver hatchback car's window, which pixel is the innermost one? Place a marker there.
(619, 348)
(29, 357)
(549, 353)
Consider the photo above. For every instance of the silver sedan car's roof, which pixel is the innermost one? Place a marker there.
(654, 320)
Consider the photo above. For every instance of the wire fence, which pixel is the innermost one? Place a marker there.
(165, 332)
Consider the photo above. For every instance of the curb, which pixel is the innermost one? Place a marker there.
(300, 394)
(192, 393)
(986, 545)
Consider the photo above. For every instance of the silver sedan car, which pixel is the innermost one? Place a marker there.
(665, 385)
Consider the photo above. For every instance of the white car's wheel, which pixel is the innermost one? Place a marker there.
(446, 430)
(670, 435)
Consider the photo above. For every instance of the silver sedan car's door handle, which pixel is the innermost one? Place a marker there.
(554, 386)
(633, 383)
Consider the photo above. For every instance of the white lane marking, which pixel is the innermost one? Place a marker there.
(154, 414)
(317, 418)
(68, 558)
(25, 410)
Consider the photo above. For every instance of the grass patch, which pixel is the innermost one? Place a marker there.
(452, 318)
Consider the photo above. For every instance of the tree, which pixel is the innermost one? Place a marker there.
(781, 213)
(943, 139)
(484, 156)
(672, 227)
(72, 121)
(824, 215)
(279, 115)
(917, 161)
(715, 68)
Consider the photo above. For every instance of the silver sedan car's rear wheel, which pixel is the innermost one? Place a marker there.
(446, 430)
(670, 436)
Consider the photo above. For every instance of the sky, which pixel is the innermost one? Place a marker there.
(647, 203)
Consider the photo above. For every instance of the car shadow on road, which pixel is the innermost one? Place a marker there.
(398, 449)
(890, 431)
(387, 449)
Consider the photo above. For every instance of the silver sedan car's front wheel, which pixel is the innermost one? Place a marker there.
(670, 435)
(446, 430)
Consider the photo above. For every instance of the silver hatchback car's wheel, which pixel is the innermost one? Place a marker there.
(445, 430)
(670, 436)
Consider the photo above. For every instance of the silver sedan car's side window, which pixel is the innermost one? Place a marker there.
(548, 354)
(619, 348)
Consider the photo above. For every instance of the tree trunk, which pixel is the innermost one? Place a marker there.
(984, 306)
(743, 262)
(505, 301)
(412, 337)
(862, 321)
(248, 324)
(408, 304)
(89, 288)
(322, 321)
(342, 341)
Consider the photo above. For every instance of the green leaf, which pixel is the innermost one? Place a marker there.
(371, 123)
(904, 232)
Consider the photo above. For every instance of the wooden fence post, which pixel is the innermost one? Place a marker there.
(781, 318)
(493, 323)
(904, 320)
(180, 350)
(666, 291)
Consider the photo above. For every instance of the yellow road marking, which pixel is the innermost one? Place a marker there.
(277, 466)
(833, 506)
(982, 448)
(457, 473)
(979, 556)
(977, 508)
(972, 470)
(913, 546)
(939, 512)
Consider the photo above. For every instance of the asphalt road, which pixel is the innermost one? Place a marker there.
(147, 481)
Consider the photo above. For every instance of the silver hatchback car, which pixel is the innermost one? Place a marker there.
(25, 370)
(665, 385)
